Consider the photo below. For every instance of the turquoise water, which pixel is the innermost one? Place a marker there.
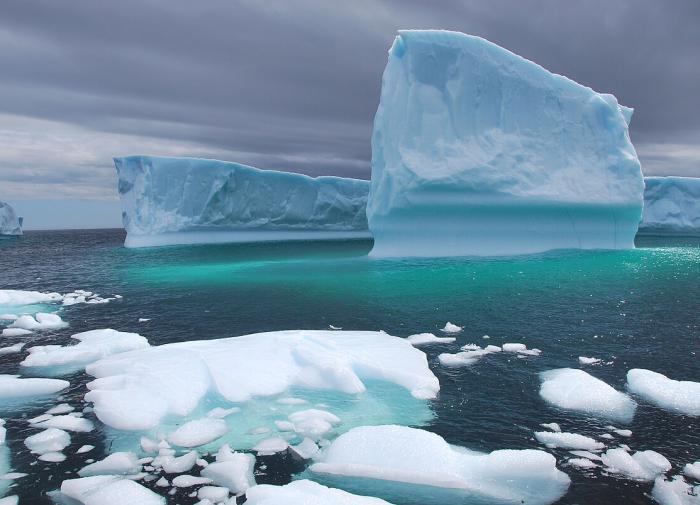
(637, 309)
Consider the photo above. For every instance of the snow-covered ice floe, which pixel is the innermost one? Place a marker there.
(681, 397)
(13, 387)
(675, 491)
(477, 151)
(306, 492)
(410, 465)
(642, 466)
(671, 206)
(190, 200)
(161, 387)
(420, 339)
(568, 441)
(10, 223)
(576, 390)
(105, 490)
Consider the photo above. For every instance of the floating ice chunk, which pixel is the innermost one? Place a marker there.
(181, 464)
(520, 349)
(552, 426)
(92, 346)
(427, 339)
(692, 470)
(15, 332)
(19, 298)
(422, 462)
(67, 422)
(306, 449)
(11, 349)
(682, 397)
(11, 386)
(675, 492)
(642, 465)
(62, 408)
(576, 390)
(624, 433)
(85, 448)
(10, 500)
(189, 481)
(313, 423)
(8, 317)
(568, 441)
(118, 463)
(467, 357)
(109, 490)
(671, 206)
(586, 455)
(583, 360)
(53, 457)
(162, 482)
(305, 492)
(198, 432)
(136, 390)
(220, 413)
(271, 446)
(235, 472)
(51, 440)
(451, 328)
(583, 463)
(41, 321)
(214, 494)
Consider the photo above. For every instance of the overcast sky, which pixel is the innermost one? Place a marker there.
(292, 84)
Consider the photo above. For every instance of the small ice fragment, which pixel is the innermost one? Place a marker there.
(307, 449)
(642, 465)
(284, 425)
(85, 448)
(675, 492)
(41, 321)
(68, 423)
(11, 386)
(53, 457)
(427, 339)
(118, 463)
(198, 432)
(587, 455)
(552, 426)
(451, 328)
(607, 436)
(583, 360)
(143, 319)
(330, 326)
(162, 482)
(624, 433)
(514, 347)
(568, 441)
(301, 492)
(214, 494)
(109, 490)
(11, 349)
(692, 470)
(62, 408)
(181, 464)
(15, 332)
(235, 472)
(189, 481)
(271, 446)
(51, 440)
(313, 423)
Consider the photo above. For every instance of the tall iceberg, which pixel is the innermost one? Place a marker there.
(10, 224)
(478, 151)
(671, 206)
(190, 200)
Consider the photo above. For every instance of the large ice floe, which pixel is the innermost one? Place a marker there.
(280, 376)
(671, 206)
(477, 151)
(576, 390)
(681, 397)
(10, 223)
(190, 200)
(306, 492)
(675, 491)
(105, 490)
(408, 465)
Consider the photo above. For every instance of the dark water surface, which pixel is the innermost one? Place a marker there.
(638, 309)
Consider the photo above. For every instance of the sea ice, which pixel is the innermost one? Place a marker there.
(682, 397)
(675, 492)
(52, 457)
(181, 464)
(12, 387)
(10, 500)
(234, 471)
(270, 446)
(583, 360)
(41, 321)
(313, 423)
(15, 332)
(671, 206)
(19, 298)
(427, 339)
(642, 465)
(583, 463)
(50, 440)
(214, 494)
(189, 481)
(420, 464)
(67, 422)
(552, 426)
(305, 492)
(198, 432)
(451, 328)
(109, 490)
(692, 470)
(10, 223)
(11, 349)
(189, 200)
(576, 390)
(568, 441)
(118, 463)
(477, 151)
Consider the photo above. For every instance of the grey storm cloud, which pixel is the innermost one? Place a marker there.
(294, 84)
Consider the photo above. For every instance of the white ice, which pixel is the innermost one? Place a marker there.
(305, 492)
(451, 328)
(692, 470)
(675, 492)
(118, 463)
(13, 387)
(67, 422)
(40, 321)
(50, 440)
(109, 490)
(11, 349)
(682, 397)
(428, 338)
(642, 465)
(233, 470)
(568, 441)
(671, 206)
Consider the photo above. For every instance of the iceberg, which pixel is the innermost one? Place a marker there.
(671, 206)
(169, 201)
(10, 224)
(477, 151)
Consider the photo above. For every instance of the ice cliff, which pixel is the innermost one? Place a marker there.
(190, 200)
(10, 224)
(477, 151)
(671, 206)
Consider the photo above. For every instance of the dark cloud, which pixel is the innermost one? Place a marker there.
(293, 84)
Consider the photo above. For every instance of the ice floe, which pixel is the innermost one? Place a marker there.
(682, 397)
(13, 387)
(675, 492)
(428, 339)
(109, 490)
(576, 390)
(313, 423)
(40, 321)
(15, 332)
(19, 298)
(472, 353)
(583, 360)
(118, 463)
(306, 492)
(67, 422)
(642, 465)
(270, 446)
(50, 440)
(692, 470)
(198, 432)
(422, 465)
(233, 470)
(451, 328)
(568, 441)
(11, 349)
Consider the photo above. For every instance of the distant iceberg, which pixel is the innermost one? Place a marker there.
(477, 151)
(10, 224)
(191, 200)
(671, 206)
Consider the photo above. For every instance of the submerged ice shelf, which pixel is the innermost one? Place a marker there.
(190, 200)
(477, 151)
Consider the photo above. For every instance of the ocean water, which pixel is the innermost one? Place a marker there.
(633, 309)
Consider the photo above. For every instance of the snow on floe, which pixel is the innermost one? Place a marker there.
(136, 390)
(682, 397)
(10, 500)
(643, 466)
(451, 328)
(305, 492)
(520, 349)
(568, 441)
(576, 390)
(427, 339)
(118, 463)
(675, 492)
(391, 461)
(13, 387)
(107, 490)
(92, 346)
(41, 321)
(50, 440)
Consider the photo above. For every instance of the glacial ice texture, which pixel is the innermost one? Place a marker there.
(671, 206)
(189, 200)
(10, 224)
(477, 151)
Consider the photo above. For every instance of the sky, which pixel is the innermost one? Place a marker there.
(291, 84)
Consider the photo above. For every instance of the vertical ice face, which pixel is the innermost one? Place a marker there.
(191, 200)
(10, 224)
(477, 151)
(671, 206)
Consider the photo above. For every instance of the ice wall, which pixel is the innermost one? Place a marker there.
(190, 200)
(671, 206)
(477, 151)
(10, 224)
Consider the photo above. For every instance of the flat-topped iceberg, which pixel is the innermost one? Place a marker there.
(671, 206)
(477, 151)
(190, 200)
(10, 223)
